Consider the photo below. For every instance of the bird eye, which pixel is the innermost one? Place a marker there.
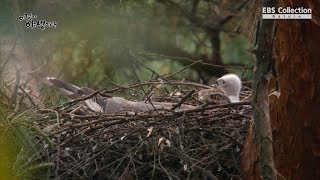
(222, 81)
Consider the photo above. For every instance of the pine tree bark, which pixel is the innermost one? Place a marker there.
(295, 114)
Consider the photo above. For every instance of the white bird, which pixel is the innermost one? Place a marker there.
(228, 90)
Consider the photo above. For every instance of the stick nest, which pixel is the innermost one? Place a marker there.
(200, 144)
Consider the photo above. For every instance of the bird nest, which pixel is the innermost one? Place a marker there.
(204, 142)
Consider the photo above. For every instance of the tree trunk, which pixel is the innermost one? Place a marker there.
(216, 54)
(295, 114)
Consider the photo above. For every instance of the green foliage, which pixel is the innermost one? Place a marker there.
(20, 150)
(234, 51)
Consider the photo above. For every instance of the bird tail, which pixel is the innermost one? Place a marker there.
(66, 89)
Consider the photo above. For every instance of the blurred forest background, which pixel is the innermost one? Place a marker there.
(95, 42)
(92, 38)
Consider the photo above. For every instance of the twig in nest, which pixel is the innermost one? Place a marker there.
(201, 108)
(118, 85)
(157, 82)
(146, 95)
(183, 99)
(78, 100)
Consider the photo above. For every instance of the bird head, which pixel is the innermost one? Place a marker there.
(231, 85)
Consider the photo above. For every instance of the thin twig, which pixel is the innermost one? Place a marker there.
(159, 76)
(203, 63)
(78, 100)
(200, 108)
(157, 82)
(28, 96)
(183, 99)
(186, 67)
(146, 95)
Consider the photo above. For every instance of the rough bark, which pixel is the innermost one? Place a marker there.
(262, 135)
(295, 114)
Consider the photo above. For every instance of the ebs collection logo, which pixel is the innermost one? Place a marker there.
(286, 13)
